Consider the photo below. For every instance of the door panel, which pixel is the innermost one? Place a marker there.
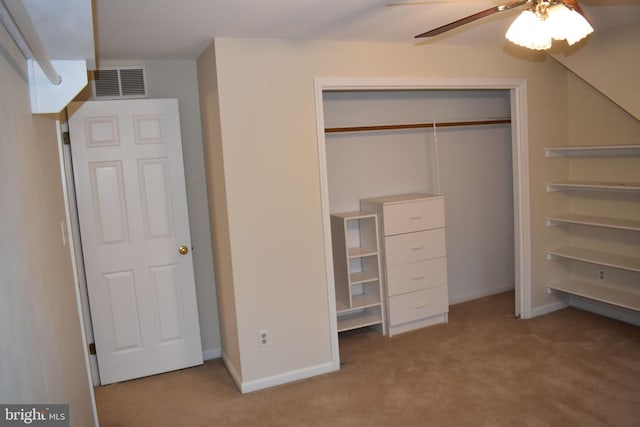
(129, 175)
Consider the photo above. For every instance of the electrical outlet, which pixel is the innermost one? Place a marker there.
(601, 275)
(263, 338)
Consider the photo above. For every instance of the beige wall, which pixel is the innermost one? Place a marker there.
(268, 139)
(596, 120)
(216, 190)
(42, 359)
(610, 62)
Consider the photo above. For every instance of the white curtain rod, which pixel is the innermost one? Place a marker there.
(17, 21)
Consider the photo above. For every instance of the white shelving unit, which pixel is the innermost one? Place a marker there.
(595, 221)
(617, 296)
(604, 259)
(356, 265)
(593, 186)
(594, 150)
(626, 296)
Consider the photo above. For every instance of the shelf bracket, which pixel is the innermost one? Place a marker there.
(47, 97)
(551, 188)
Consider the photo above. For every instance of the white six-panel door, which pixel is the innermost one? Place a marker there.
(129, 177)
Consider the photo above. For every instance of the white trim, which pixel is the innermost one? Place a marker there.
(287, 377)
(74, 265)
(484, 293)
(521, 209)
(212, 353)
(74, 235)
(548, 308)
(520, 153)
(326, 226)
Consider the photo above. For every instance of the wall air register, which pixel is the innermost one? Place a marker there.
(119, 83)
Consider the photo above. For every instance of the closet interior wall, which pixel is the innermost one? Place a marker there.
(474, 171)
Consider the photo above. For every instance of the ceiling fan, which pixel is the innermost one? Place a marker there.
(539, 23)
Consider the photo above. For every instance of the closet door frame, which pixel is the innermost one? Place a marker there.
(520, 158)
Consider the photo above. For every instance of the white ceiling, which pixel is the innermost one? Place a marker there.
(156, 29)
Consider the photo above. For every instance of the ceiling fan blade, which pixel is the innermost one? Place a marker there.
(471, 18)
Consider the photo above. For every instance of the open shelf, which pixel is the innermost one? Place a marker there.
(358, 319)
(596, 257)
(593, 186)
(362, 277)
(361, 252)
(359, 302)
(611, 295)
(594, 150)
(596, 221)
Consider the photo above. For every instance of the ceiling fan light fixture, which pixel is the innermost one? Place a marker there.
(567, 24)
(529, 30)
(537, 25)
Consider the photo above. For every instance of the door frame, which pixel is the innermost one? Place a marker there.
(74, 239)
(71, 236)
(520, 166)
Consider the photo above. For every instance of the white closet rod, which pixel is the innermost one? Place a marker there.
(19, 25)
(416, 125)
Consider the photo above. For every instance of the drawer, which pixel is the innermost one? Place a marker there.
(415, 276)
(418, 305)
(413, 216)
(422, 245)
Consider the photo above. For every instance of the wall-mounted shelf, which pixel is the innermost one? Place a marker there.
(595, 221)
(594, 150)
(605, 259)
(625, 290)
(615, 296)
(593, 186)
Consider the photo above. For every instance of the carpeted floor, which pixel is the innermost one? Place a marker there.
(483, 368)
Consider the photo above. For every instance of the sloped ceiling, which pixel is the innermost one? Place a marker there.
(154, 29)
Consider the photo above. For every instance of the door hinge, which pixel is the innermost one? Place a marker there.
(92, 348)
(66, 139)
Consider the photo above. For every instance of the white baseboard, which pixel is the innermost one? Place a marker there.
(288, 377)
(618, 313)
(213, 353)
(548, 308)
(480, 294)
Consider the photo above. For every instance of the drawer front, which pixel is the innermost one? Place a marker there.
(418, 305)
(415, 276)
(412, 247)
(413, 216)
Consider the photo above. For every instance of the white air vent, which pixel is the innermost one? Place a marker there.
(119, 83)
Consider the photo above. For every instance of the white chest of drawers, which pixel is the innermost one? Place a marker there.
(412, 231)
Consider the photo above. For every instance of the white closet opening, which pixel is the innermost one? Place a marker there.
(480, 169)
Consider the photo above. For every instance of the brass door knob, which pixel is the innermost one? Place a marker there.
(183, 250)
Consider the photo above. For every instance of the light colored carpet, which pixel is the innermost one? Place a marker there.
(483, 368)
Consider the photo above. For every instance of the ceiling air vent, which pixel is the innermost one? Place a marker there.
(119, 83)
